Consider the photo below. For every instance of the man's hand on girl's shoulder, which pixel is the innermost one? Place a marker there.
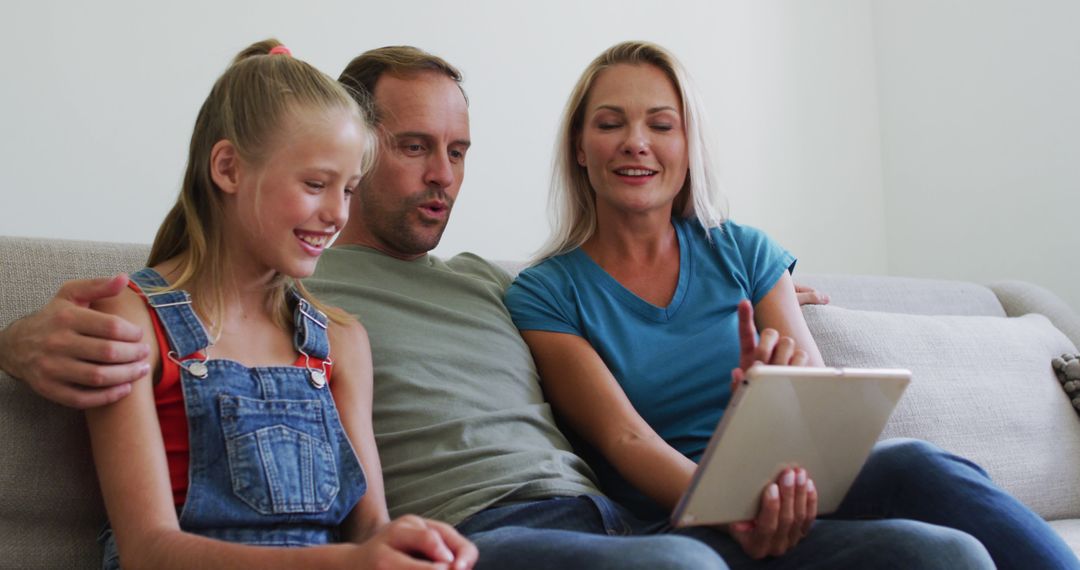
(72, 354)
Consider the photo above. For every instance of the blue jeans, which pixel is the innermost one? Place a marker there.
(578, 532)
(912, 506)
(595, 533)
(913, 479)
(934, 501)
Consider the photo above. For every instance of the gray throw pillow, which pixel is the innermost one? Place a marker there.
(982, 387)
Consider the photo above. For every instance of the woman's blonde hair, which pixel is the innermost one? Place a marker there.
(573, 201)
(247, 106)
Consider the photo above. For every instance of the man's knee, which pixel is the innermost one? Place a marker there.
(912, 544)
(905, 450)
(644, 552)
(534, 549)
(920, 457)
(671, 551)
(951, 548)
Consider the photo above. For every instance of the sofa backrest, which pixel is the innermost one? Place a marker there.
(908, 295)
(50, 506)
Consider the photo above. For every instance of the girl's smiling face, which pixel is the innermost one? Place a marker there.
(633, 140)
(285, 211)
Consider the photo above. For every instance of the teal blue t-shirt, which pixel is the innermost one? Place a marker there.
(674, 362)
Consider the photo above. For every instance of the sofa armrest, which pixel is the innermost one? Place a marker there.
(1020, 298)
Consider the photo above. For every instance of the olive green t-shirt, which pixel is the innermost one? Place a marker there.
(460, 418)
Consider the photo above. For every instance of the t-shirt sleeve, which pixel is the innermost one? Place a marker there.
(480, 268)
(764, 259)
(500, 276)
(535, 303)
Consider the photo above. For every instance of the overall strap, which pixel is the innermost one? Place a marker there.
(309, 326)
(182, 326)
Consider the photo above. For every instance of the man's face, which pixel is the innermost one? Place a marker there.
(402, 206)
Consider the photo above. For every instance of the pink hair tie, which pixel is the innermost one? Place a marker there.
(280, 50)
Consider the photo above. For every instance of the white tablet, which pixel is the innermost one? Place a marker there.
(824, 420)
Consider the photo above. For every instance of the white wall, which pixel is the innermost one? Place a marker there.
(99, 99)
(980, 122)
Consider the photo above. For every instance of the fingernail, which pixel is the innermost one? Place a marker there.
(773, 491)
(810, 488)
(789, 478)
(802, 477)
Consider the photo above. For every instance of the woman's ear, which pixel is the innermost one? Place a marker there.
(225, 166)
(580, 152)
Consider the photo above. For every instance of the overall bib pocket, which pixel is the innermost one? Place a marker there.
(280, 457)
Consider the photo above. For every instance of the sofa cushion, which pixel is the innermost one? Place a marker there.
(50, 494)
(982, 388)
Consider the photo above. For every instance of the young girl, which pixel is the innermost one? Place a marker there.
(241, 432)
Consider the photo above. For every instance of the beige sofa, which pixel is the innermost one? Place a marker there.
(983, 387)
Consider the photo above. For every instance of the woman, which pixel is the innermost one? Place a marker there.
(645, 303)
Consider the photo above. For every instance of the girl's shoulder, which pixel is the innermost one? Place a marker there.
(348, 341)
(128, 304)
(131, 300)
(351, 353)
(346, 332)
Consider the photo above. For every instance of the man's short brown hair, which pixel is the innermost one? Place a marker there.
(364, 71)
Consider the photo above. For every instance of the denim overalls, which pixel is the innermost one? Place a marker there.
(270, 463)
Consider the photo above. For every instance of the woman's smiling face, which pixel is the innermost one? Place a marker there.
(633, 140)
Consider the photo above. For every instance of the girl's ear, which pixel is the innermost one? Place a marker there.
(225, 166)
(580, 152)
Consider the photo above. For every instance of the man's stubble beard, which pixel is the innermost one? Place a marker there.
(391, 225)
